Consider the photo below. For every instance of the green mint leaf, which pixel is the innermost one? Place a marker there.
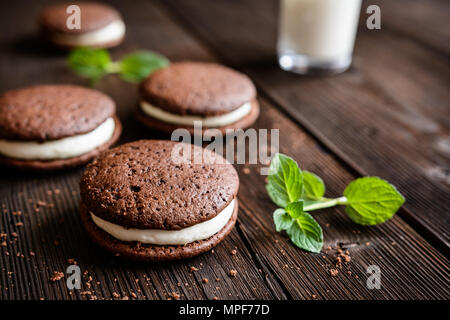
(285, 181)
(371, 200)
(90, 63)
(306, 233)
(282, 220)
(137, 66)
(314, 187)
(295, 209)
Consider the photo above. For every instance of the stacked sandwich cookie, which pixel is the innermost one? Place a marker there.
(50, 127)
(139, 202)
(101, 26)
(185, 92)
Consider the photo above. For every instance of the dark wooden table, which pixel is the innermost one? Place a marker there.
(387, 116)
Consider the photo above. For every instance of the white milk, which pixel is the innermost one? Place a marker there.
(317, 33)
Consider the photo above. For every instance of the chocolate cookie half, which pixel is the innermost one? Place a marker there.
(141, 202)
(50, 127)
(185, 92)
(101, 26)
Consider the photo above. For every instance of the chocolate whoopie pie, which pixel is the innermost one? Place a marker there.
(101, 26)
(176, 96)
(50, 127)
(139, 203)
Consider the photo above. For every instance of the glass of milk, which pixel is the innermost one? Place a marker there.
(317, 36)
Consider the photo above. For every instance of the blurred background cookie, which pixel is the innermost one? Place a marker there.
(51, 127)
(184, 92)
(101, 26)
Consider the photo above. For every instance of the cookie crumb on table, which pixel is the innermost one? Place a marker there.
(334, 272)
(175, 295)
(193, 269)
(57, 275)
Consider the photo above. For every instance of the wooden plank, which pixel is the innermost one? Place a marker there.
(28, 277)
(410, 267)
(401, 254)
(387, 116)
(425, 21)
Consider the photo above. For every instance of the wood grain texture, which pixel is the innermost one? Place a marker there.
(387, 116)
(268, 265)
(424, 21)
(28, 277)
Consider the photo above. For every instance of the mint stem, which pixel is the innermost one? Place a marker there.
(326, 203)
(113, 67)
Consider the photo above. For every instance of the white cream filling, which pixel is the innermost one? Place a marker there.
(109, 33)
(215, 121)
(197, 232)
(59, 149)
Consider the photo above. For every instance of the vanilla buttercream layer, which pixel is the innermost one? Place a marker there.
(59, 149)
(188, 120)
(112, 32)
(200, 231)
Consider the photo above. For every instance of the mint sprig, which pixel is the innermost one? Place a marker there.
(96, 63)
(368, 201)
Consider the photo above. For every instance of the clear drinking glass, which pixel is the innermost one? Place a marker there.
(317, 36)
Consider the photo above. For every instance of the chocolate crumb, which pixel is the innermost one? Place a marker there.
(233, 252)
(193, 269)
(175, 295)
(56, 276)
(205, 280)
(334, 272)
(233, 273)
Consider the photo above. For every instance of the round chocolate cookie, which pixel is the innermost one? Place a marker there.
(184, 92)
(51, 127)
(140, 202)
(100, 25)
